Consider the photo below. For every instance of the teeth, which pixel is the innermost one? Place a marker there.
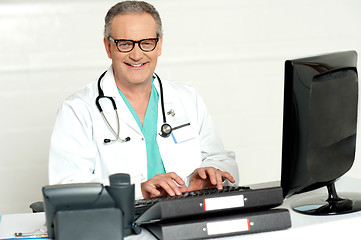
(136, 65)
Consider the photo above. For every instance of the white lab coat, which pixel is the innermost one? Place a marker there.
(78, 152)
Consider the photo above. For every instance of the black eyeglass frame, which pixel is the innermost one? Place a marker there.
(134, 42)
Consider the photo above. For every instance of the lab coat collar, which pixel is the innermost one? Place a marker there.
(108, 84)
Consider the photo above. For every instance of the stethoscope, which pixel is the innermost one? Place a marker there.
(165, 129)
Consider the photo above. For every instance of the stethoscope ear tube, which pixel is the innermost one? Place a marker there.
(165, 129)
(161, 100)
(101, 95)
(98, 104)
(110, 98)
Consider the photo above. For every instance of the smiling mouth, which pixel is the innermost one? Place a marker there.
(135, 65)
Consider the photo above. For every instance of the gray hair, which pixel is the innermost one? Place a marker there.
(128, 7)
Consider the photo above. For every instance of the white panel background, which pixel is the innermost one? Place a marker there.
(231, 51)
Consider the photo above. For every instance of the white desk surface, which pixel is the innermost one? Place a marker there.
(303, 226)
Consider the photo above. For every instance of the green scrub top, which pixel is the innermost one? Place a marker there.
(149, 129)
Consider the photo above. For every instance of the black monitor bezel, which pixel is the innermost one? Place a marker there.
(323, 64)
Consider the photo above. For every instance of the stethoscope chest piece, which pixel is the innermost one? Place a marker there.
(165, 130)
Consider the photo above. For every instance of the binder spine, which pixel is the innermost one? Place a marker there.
(239, 224)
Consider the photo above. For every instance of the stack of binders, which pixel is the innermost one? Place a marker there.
(202, 217)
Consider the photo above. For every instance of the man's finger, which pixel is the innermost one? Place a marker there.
(176, 178)
(202, 173)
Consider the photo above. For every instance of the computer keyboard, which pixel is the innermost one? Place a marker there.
(141, 205)
(207, 201)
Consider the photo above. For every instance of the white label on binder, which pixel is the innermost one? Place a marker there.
(230, 226)
(210, 204)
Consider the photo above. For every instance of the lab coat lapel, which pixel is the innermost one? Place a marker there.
(166, 145)
(110, 89)
(168, 103)
(181, 158)
(160, 121)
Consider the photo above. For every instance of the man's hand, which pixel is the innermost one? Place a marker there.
(162, 184)
(208, 177)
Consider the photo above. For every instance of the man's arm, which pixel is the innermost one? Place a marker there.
(72, 152)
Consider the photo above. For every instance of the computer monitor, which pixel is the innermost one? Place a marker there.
(319, 130)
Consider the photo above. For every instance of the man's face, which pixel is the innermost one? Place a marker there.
(135, 67)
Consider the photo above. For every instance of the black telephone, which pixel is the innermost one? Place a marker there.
(91, 210)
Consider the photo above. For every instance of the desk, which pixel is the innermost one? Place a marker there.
(303, 226)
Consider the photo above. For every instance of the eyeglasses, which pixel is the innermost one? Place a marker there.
(125, 45)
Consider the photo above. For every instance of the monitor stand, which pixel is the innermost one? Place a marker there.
(321, 205)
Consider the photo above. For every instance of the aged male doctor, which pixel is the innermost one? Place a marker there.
(88, 146)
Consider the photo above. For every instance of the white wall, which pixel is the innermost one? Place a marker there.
(232, 51)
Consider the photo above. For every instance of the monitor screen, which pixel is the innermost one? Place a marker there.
(319, 122)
